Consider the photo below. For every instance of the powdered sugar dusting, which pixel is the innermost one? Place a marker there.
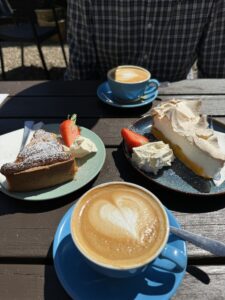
(43, 149)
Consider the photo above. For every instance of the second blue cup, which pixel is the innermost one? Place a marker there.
(128, 83)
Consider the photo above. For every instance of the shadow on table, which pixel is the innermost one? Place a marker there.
(176, 201)
(52, 287)
(199, 274)
(9, 205)
(34, 73)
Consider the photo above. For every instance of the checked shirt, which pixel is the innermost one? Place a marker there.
(164, 36)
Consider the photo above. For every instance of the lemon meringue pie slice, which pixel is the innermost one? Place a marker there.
(180, 124)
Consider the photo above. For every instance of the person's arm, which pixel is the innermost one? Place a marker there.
(82, 58)
(211, 52)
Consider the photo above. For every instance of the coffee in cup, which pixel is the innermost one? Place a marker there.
(130, 74)
(119, 225)
(129, 83)
(121, 229)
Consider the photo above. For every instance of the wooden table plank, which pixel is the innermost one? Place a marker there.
(87, 87)
(195, 87)
(40, 282)
(106, 128)
(202, 282)
(50, 88)
(91, 107)
(27, 229)
(27, 282)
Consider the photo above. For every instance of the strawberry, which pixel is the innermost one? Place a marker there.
(69, 130)
(133, 139)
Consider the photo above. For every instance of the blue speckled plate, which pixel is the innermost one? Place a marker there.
(177, 177)
(106, 96)
(81, 282)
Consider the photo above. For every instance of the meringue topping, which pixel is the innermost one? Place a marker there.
(186, 120)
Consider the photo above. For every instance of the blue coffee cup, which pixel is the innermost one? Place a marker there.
(166, 256)
(129, 89)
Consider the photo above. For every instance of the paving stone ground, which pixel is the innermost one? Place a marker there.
(33, 69)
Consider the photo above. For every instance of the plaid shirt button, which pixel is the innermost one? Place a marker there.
(149, 25)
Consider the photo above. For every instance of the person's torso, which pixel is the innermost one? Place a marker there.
(161, 35)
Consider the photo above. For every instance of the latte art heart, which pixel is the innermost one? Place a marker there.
(130, 75)
(123, 217)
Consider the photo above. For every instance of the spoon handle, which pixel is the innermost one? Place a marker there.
(213, 246)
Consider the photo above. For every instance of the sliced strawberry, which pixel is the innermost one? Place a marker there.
(133, 139)
(69, 130)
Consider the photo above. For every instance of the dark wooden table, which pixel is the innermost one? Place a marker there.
(27, 229)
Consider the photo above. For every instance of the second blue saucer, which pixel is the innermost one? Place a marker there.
(105, 95)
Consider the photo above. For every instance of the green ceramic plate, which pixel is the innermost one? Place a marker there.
(89, 167)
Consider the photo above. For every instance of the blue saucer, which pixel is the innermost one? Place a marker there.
(105, 95)
(81, 282)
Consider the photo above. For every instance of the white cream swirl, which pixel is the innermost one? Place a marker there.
(185, 119)
(151, 157)
(82, 146)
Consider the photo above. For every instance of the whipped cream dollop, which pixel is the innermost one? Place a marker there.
(186, 120)
(82, 146)
(153, 156)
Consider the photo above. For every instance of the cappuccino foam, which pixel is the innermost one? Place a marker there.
(119, 225)
(130, 75)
